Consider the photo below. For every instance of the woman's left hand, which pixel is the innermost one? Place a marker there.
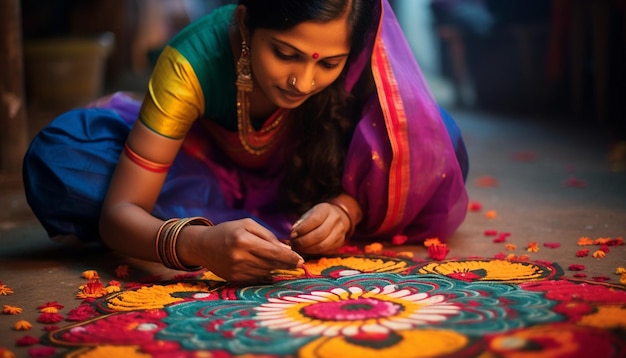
(320, 230)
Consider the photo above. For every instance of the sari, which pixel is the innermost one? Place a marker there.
(406, 164)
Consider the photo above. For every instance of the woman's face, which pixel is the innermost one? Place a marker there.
(312, 53)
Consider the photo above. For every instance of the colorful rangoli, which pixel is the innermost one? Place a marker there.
(363, 307)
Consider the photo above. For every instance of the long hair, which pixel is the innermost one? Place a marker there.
(323, 125)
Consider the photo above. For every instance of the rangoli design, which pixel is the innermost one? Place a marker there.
(364, 307)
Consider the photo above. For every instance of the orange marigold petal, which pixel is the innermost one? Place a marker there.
(599, 254)
(431, 241)
(5, 290)
(22, 325)
(373, 248)
(11, 310)
(91, 275)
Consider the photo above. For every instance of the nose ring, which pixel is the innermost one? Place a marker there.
(292, 81)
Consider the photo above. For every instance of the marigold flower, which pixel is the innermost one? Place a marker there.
(431, 241)
(91, 275)
(585, 241)
(122, 271)
(373, 248)
(582, 253)
(5, 290)
(510, 247)
(92, 289)
(620, 271)
(22, 325)
(399, 239)
(599, 254)
(438, 251)
(491, 214)
(532, 247)
(54, 304)
(11, 310)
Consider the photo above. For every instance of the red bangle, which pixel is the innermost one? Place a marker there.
(145, 163)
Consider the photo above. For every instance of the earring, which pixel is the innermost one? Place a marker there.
(292, 81)
(244, 75)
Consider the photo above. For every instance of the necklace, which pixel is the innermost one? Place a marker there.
(256, 142)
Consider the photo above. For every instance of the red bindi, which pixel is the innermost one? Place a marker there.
(316, 55)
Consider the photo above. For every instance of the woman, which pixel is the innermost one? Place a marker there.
(289, 124)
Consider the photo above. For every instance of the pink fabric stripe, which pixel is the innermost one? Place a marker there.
(395, 119)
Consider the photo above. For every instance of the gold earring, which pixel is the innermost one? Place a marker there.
(244, 74)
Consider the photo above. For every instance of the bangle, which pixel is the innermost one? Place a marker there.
(353, 218)
(166, 239)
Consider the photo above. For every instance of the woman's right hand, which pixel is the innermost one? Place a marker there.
(240, 250)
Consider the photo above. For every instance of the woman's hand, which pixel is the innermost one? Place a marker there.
(241, 250)
(320, 230)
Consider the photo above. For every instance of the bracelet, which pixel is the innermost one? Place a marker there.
(145, 163)
(166, 239)
(353, 218)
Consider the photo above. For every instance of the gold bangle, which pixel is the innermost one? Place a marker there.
(338, 203)
(167, 236)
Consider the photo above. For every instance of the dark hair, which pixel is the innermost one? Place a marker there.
(323, 125)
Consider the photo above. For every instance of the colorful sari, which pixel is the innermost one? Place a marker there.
(406, 163)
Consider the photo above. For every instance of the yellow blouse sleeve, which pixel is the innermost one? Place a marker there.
(174, 99)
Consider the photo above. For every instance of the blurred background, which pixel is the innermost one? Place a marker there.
(563, 58)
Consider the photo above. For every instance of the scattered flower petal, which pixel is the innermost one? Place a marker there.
(499, 239)
(50, 318)
(373, 248)
(532, 247)
(573, 182)
(622, 279)
(22, 325)
(576, 267)
(40, 352)
(122, 271)
(552, 245)
(580, 275)
(49, 310)
(91, 275)
(11, 310)
(432, 241)
(438, 251)
(474, 206)
(5, 290)
(399, 239)
(605, 248)
(81, 313)
(600, 278)
(602, 241)
(54, 304)
(490, 232)
(50, 328)
(585, 241)
(620, 270)
(510, 247)
(407, 254)
(486, 181)
(92, 289)
(599, 254)
(349, 249)
(491, 214)
(582, 253)
(26, 341)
